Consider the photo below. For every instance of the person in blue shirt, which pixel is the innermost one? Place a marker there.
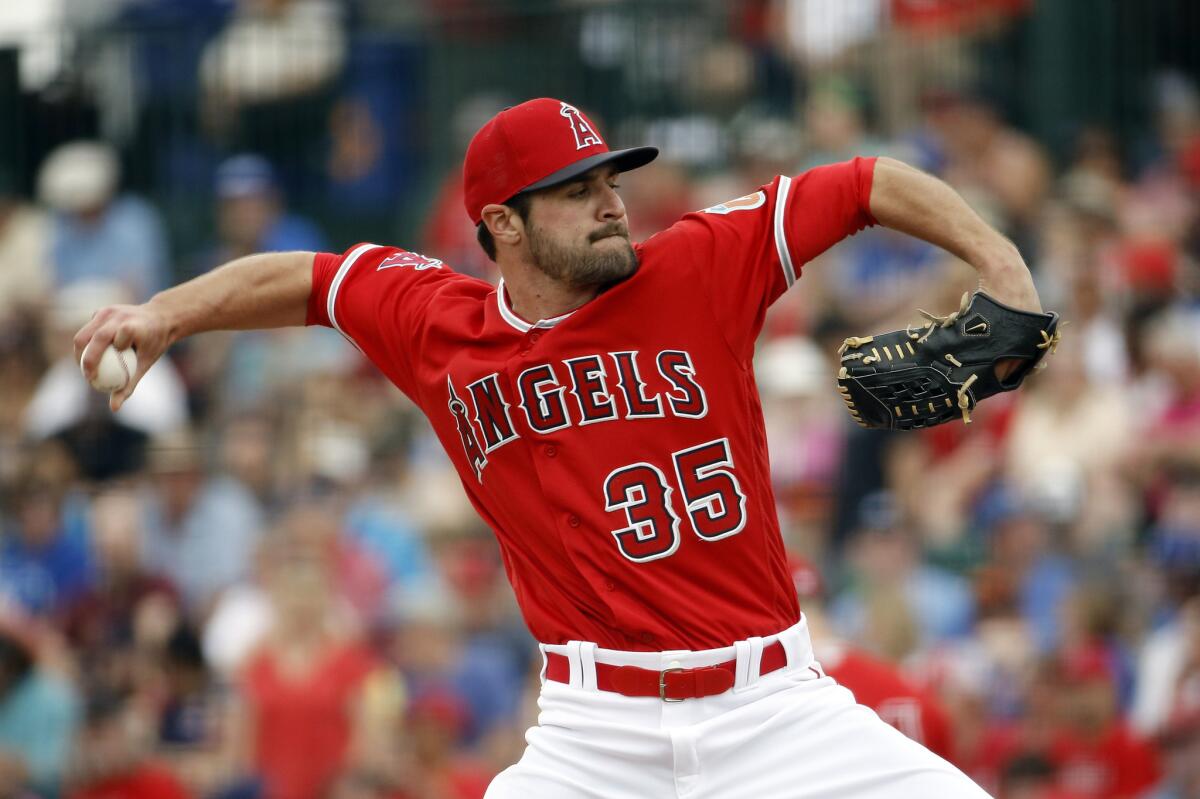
(252, 215)
(39, 714)
(95, 231)
(46, 558)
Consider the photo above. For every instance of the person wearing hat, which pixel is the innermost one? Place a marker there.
(600, 409)
(251, 211)
(96, 232)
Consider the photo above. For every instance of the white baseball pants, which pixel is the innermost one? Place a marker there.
(790, 734)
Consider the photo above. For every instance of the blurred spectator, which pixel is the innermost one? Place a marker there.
(436, 723)
(897, 602)
(878, 270)
(95, 232)
(1003, 172)
(190, 716)
(1096, 754)
(1180, 742)
(38, 713)
(1170, 438)
(835, 125)
(266, 78)
(875, 683)
(448, 233)
(435, 656)
(495, 648)
(1031, 776)
(1169, 660)
(805, 434)
(274, 49)
(247, 446)
(102, 623)
(113, 755)
(200, 527)
(1024, 549)
(307, 689)
(25, 270)
(1066, 429)
(251, 213)
(820, 32)
(1178, 122)
(46, 558)
(379, 525)
(987, 681)
(658, 202)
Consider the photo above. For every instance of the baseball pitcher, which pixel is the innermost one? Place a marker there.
(600, 408)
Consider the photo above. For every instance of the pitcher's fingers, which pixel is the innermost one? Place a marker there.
(142, 363)
(117, 398)
(125, 336)
(84, 337)
(101, 337)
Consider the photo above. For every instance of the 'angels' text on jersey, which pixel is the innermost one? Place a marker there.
(594, 383)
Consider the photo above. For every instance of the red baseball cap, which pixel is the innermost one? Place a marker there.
(533, 145)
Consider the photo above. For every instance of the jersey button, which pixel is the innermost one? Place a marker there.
(610, 585)
(573, 520)
(534, 336)
(550, 450)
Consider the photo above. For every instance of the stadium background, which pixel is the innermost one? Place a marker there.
(261, 578)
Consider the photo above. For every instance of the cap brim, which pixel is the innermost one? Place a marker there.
(624, 160)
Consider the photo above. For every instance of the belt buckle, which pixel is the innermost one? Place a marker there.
(662, 683)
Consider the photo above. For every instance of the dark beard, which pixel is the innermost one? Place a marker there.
(583, 267)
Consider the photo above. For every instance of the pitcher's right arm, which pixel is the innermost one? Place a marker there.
(255, 292)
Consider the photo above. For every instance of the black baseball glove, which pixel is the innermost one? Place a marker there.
(908, 379)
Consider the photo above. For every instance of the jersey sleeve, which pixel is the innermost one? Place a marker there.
(749, 251)
(377, 297)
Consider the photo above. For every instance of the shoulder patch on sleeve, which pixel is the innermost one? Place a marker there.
(745, 203)
(409, 259)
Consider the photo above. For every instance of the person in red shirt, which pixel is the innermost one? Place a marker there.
(599, 406)
(874, 682)
(304, 688)
(1096, 753)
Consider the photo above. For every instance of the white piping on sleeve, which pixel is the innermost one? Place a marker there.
(781, 245)
(336, 283)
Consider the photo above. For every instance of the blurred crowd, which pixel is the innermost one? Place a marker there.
(260, 578)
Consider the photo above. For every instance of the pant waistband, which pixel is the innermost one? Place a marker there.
(678, 674)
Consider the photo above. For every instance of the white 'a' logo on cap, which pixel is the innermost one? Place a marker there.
(584, 135)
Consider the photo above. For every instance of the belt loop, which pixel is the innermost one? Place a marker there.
(545, 664)
(587, 665)
(797, 645)
(754, 667)
(572, 654)
(749, 658)
(791, 647)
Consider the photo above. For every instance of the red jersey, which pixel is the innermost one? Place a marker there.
(880, 686)
(1116, 765)
(617, 451)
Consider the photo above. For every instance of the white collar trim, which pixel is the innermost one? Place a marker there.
(510, 316)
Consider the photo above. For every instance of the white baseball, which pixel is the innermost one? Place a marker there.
(115, 369)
